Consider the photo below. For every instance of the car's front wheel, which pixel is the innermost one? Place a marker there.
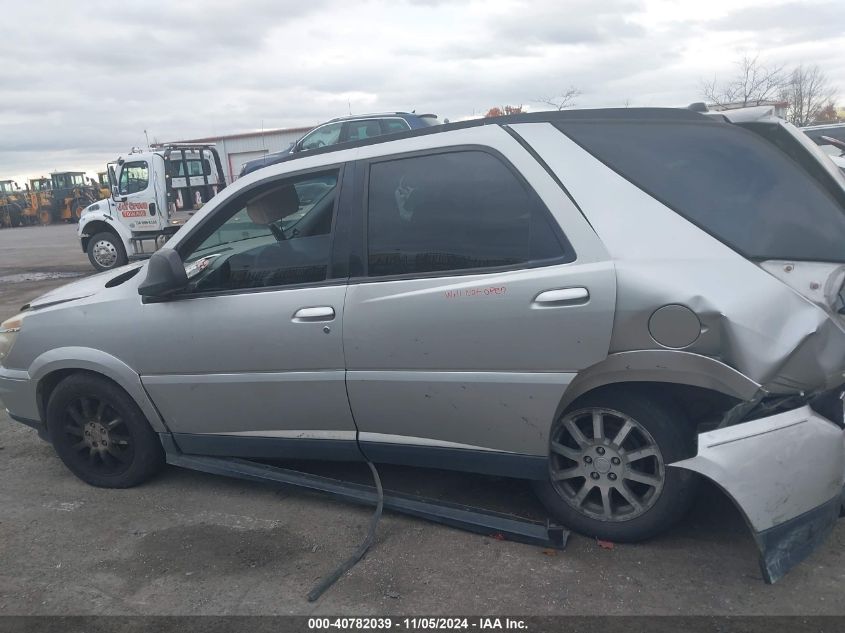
(608, 474)
(106, 251)
(100, 433)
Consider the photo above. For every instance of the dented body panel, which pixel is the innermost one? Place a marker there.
(785, 473)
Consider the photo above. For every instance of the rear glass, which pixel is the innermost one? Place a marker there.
(727, 181)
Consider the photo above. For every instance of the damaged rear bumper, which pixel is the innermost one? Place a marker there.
(785, 472)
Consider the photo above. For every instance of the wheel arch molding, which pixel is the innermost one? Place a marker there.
(66, 360)
(660, 366)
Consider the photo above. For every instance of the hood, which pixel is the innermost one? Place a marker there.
(80, 289)
(100, 206)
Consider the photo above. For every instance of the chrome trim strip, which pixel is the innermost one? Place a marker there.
(260, 376)
(538, 377)
(291, 434)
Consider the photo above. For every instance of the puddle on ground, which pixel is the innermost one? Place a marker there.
(22, 277)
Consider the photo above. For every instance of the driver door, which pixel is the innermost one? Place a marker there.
(136, 203)
(249, 360)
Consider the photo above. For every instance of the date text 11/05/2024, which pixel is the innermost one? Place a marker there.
(419, 624)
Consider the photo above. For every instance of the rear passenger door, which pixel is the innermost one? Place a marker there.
(473, 312)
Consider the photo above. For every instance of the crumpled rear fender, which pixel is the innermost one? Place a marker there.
(785, 472)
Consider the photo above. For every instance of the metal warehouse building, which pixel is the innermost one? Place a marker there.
(237, 149)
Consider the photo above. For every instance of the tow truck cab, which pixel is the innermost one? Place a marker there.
(153, 193)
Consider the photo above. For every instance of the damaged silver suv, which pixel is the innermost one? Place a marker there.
(611, 303)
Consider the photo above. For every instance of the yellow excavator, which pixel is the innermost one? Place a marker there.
(61, 197)
(40, 194)
(103, 185)
(13, 204)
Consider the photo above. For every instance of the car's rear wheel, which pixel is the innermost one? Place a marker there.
(100, 433)
(608, 474)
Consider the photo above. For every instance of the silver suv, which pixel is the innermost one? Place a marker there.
(610, 303)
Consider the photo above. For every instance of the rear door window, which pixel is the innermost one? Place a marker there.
(392, 126)
(726, 180)
(454, 211)
(361, 130)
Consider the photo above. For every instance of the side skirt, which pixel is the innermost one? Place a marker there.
(495, 463)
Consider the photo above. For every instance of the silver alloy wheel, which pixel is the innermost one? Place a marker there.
(605, 464)
(105, 253)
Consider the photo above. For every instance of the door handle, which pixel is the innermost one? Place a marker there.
(562, 297)
(308, 315)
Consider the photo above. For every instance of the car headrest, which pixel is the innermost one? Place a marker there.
(273, 205)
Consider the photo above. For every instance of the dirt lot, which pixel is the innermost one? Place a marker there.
(189, 543)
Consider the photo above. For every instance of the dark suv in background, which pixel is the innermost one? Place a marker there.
(346, 130)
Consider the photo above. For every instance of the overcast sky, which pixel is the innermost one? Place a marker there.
(81, 81)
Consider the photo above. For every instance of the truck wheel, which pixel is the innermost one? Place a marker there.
(105, 250)
(100, 433)
(608, 474)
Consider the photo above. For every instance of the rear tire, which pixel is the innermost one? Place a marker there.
(106, 251)
(100, 433)
(608, 474)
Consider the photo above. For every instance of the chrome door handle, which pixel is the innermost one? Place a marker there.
(563, 297)
(319, 313)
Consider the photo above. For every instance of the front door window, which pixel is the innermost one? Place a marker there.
(134, 177)
(279, 236)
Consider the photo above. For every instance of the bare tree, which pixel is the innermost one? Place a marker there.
(754, 83)
(809, 93)
(565, 99)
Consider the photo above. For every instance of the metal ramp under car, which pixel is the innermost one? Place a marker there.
(456, 515)
(461, 516)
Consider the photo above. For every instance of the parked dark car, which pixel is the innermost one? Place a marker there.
(346, 130)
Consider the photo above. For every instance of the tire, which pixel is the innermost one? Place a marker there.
(106, 251)
(100, 434)
(632, 495)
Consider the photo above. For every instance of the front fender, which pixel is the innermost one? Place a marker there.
(89, 359)
(99, 216)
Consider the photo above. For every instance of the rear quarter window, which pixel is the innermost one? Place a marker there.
(727, 181)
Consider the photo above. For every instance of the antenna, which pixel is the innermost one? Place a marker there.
(263, 144)
(147, 137)
(349, 105)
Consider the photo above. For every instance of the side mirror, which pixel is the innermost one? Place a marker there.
(115, 193)
(165, 274)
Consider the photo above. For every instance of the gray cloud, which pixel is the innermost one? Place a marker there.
(82, 81)
(787, 23)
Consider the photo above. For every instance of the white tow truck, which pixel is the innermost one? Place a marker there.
(153, 193)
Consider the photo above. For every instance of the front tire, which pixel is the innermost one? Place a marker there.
(100, 433)
(608, 474)
(106, 251)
